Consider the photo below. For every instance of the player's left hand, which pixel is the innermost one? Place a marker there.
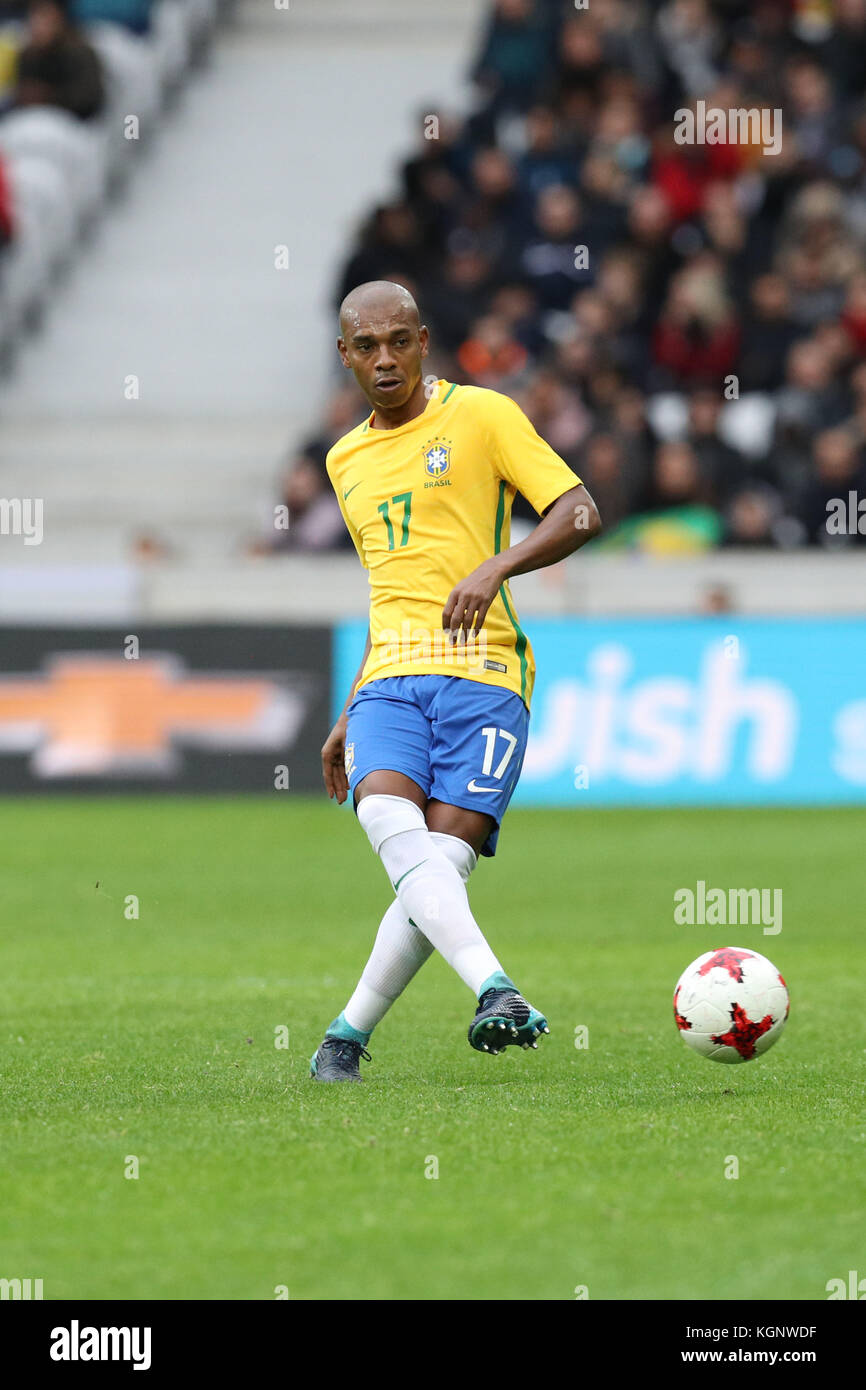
(468, 603)
(333, 762)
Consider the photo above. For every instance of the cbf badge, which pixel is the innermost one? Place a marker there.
(437, 462)
(349, 759)
(437, 459)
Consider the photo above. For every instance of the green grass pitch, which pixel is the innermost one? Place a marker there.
(154, 1039)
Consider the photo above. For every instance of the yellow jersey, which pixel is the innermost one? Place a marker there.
(425, 504)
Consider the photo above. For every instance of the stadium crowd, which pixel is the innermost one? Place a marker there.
(685, 323)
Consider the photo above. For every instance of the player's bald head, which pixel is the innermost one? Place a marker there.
(383, 342)
(377, 300)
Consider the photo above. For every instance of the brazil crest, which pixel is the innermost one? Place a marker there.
(437, 462)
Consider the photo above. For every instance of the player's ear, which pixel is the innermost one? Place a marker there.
(423, 339)
(344, 356)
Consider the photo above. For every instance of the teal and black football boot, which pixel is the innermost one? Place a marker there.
(336, 1059)
(505, 1019)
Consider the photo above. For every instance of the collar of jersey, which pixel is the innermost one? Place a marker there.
(438, 399)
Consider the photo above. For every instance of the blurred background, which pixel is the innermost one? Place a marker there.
(189, 187)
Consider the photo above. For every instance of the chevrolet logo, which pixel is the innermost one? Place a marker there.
(92, 715)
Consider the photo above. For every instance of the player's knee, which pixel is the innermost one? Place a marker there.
(461, 855)
(383, 816)
(431, 894)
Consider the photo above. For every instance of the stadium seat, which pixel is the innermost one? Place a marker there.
(203, 17)
(45, 231)
(40, 193)
(59, 166)
(133, 86)
(171, 39)
(79, 152)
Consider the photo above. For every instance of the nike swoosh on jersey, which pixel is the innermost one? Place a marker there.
(471, 787)
(351, 489)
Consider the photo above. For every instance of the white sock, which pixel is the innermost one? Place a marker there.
(400, 949)
(428, 885)
(398, 953)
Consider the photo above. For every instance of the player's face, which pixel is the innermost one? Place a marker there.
(385, 353)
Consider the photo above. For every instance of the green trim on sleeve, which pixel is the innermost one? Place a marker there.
(520, 645)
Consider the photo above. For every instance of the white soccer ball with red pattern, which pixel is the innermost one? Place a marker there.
(731, 1005)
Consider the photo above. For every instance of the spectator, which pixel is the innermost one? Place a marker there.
(691, 40)
(697, 336)
(308, 516)
(546, 159)
(605, 471)
(629, 425)
(676, 476)
(813, 113)
(550, 261)
(513, 55)
(557, 413)
(751, 63)
(856, 423)
(56, 66)
(838, 469)
(148, 547)
(605, 186)
(346, 409)
(390, 243)
(818, 254)
(683, 173)
(854, 314)
(6, 220)
(753, 517)
(9, 44)
(769, 332)
(679, 521)
(718, 598)
(133, 15)
(843, 51)
(810, 399)
(722, 470)
(461, 295)
(493, 211)
(581, 70)
(649, 228)
(491, 355)
(516, 304)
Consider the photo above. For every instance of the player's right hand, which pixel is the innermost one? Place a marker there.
(333, 762)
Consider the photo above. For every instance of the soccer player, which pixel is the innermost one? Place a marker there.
(432, 736)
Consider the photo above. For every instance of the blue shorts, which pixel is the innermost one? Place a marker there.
(462, 741)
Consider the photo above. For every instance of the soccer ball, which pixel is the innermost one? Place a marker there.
(731, 1005)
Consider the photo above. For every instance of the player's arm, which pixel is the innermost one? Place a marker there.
(334, 748)
(567, 524)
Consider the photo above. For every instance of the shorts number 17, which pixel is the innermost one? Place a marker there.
(487, 765)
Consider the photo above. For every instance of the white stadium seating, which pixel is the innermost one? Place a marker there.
(61, 170)
(133, 87)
